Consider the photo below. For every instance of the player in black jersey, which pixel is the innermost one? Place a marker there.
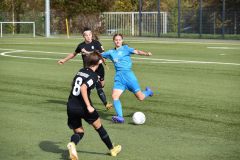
(86, 48)
(80, 106)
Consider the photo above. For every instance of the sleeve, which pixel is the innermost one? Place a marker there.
(129, 49)
(99, 47)
(106, 55)
(90, 81)
(79, 48)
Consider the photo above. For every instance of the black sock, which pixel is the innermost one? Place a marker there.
(105, 138)
(77, 137)
(101, 93)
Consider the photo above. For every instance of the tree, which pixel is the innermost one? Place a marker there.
(80, 13)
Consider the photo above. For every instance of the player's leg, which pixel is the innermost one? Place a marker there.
(141, 95)
(94, 120)
(102, 95)
(78, 135)
(117, 105)
(118, 88)
(133, 86)
(114, 150)
(100, 85)
(75, 138)
(75, 123)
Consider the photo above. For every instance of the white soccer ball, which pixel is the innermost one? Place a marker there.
(138, 118)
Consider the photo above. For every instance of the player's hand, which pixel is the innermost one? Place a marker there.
(90, 109)
(61, 61)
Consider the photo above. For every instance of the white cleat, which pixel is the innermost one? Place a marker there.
(72, 151)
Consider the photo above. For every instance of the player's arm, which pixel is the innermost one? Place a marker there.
(139, 52)
(70, 56)
(85, 98)
(106, 55)
(99, 47)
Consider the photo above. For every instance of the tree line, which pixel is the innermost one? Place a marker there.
(74, 7)
(87, 11)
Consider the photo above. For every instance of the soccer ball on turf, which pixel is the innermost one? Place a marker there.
(138, 118)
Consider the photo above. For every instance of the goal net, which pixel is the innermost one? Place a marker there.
(14, 29)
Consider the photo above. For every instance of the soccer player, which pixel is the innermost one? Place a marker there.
(124, 77)
(80, 106)
(86, 48)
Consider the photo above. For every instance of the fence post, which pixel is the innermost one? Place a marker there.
(1, 29)
(179, 17)
(235, 22)
(158, 20)
(140, 18)
(214, 22)
(132, 23)
(223, 18)
(200, 19)
(34, 29)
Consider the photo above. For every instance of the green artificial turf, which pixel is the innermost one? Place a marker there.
(193, 115)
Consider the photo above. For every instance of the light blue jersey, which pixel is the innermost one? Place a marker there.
(121, 57)
(124, 78)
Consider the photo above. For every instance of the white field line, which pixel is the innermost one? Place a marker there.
(222, 48)
(6, 54)
(136, 59)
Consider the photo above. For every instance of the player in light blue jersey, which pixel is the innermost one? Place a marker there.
(124, 77)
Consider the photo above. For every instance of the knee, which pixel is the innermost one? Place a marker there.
(79, 130)
(115, 96)
(97, 124)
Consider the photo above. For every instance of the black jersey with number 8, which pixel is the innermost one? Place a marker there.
(84, 76)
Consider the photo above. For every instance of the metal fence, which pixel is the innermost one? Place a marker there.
(191, 24)
(128, 23)
(211, 22)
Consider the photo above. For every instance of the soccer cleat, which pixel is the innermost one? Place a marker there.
(148, 89)
(72, 151)
(115, 150)
(117, 119)
(109, 106)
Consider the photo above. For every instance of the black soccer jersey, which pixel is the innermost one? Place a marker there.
(84, 76)
(93, 46)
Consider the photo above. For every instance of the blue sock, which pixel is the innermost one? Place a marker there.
(118, 107)
(146, 93)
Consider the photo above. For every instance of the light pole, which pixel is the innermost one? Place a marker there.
(47, 18)
(179, 17)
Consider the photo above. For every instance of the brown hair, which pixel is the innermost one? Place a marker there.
(93, 59)
(117, 34)
(94, 36)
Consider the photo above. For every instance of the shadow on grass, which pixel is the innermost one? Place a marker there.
(53, 147)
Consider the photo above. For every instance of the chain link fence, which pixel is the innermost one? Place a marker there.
(211, 24)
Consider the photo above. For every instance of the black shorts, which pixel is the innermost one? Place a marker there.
(100, 71)
(75, 117)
